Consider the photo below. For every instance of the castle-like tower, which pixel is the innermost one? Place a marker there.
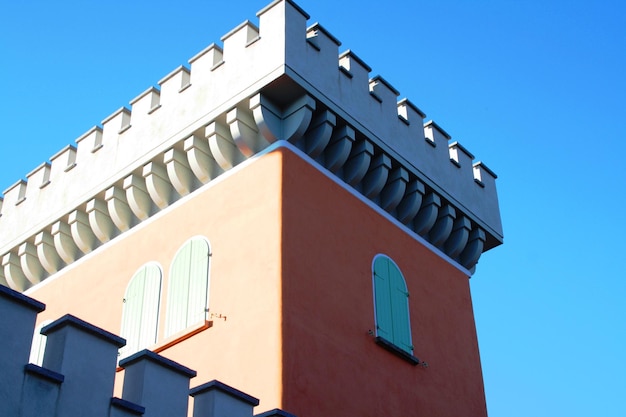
(273, 218)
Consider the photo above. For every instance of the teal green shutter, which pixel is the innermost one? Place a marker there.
(391, 304)
(382, 299)
(188, 287)
(400, 309)
(141, 310)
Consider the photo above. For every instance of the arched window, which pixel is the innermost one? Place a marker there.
(38, 346)
(141, 309)
(188, 290)
(391, 303)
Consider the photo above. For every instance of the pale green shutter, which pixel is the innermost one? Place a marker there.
(382, 299)
(400, 309)
(38, 345)
(198, 282)
(178, 292)
(150, 307)
(188, 287)
(141, 310)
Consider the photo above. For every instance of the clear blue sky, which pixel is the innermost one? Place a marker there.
(536, 89)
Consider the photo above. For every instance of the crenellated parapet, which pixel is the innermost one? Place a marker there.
(72, 383)
(279, 84)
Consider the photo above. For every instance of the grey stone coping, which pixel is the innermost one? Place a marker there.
(18, 297)
(217, 385)
(156, 358)
(69, 320)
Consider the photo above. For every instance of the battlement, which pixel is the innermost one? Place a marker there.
(278, 82)
(72, 383)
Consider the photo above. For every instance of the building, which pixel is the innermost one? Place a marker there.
(272, 218)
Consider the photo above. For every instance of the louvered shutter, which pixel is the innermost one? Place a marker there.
(198, 282)
(400, 309)
(38, 345)
(382, 299)
(178, 291)
(150, 307)
(188, 287)
(141, 310)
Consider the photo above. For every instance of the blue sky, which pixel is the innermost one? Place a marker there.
(535, 89)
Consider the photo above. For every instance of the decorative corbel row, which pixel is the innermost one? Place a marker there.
(81, 231)
(63, 242)
(29, 261)
(365, 167)
(201, 161)
(158, 185)
(3, 280)
(275, 124)
(100, 220)
(427, 214)
(458, 236)
(474, 248)
(319, 134)
(358, 162)
(137, 196)
(119, 209)
(338, 150)
(224, 143)
(443, 226)
(394, 189)
(182, 178)
(376, 176)
(13, 274)
(244, 131)
(47, 253)
(411, 202)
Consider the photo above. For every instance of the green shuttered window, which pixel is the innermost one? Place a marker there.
(187, 299)
(141, 310)
(391, 303)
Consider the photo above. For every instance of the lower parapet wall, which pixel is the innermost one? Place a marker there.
(72, 383)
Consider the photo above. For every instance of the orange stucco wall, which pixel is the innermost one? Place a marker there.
(240, 215)
(330, 239)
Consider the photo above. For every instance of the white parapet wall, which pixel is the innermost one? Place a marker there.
(281, 80)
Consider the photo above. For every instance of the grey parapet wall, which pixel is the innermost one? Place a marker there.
(72, 383)
(279, 82)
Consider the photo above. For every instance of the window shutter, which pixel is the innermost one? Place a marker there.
(150, 307)
(178, 291)
(400, 310)
(382, 301)
(391, 304)
(141, 310)
(38, 345)
(188, 288)
(198, 282)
